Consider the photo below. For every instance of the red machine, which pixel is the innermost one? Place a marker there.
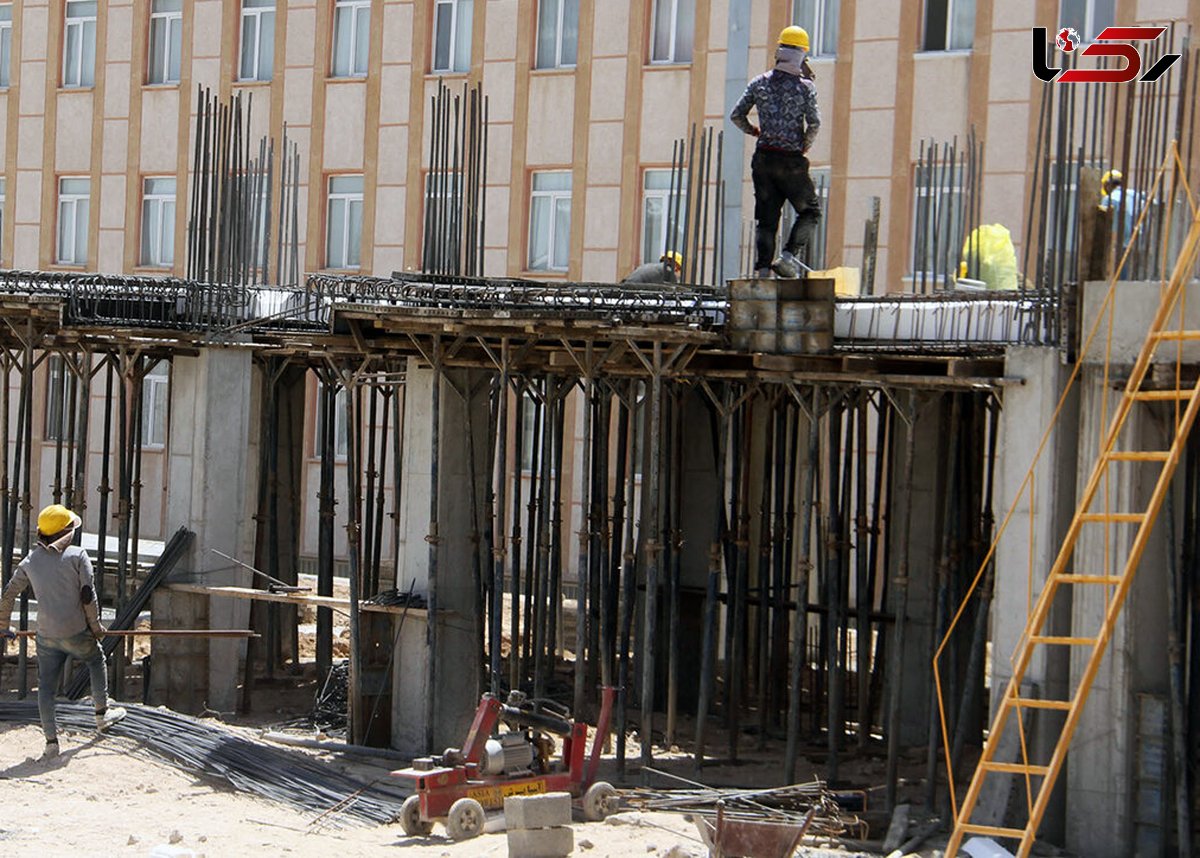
(461, 785)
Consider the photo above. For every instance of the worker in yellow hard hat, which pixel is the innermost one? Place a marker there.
(68, 617)
(788, 120)
(668, 269)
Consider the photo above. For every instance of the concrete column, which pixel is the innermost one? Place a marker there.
(1039, 520)
(1103, 765)
(211, 492)
(923, 542)
(455, 676)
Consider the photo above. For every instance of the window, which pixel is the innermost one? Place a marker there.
(5, 43)
(816, 249)
(937, 220)
(341, 433)
(662, 208)
(820, 19)
(1089, 17)
(155, 396)
(258, 40)
(158, 222)
(674, 22)
(529, 431)
(558, 33)
(73, 199)
(3, 198)
(452, 36)
(60, 387)
(351, 37)
(343, 244)
(550, 222)
(79, 45)
(166, 40)
(949, 25)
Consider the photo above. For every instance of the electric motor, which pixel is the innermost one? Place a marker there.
(506, 754)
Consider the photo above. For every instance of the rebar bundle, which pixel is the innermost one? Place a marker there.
(456, 184)
(948, 194)
(783, 804)
(696, 206)
(288, 777)
(234, 183)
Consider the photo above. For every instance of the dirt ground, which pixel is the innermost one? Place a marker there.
(105, 796)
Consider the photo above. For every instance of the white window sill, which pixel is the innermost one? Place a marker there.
(161, 84)
(946, 52)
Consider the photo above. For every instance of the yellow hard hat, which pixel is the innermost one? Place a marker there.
(794, 37)
(675, 256)
(1110, 178)
(55, 519)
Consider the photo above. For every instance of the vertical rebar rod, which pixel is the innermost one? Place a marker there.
(653, 555)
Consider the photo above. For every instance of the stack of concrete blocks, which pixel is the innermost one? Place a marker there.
(539, 826)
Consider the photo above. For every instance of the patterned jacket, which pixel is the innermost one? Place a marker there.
(787, 111)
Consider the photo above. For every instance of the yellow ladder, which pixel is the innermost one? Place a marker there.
(1187, 403)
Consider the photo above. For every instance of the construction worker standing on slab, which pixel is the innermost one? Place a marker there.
(68, 617)
(788, 120)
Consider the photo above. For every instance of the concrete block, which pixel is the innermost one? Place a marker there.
(523, 812)
(541, 843)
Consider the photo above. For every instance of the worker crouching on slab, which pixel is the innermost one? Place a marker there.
(68, 617)
(788, 120)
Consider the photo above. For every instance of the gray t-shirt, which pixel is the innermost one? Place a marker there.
(58, 581)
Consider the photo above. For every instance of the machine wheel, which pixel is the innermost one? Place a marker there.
(410, 818)
(465, 819)
(599, 801)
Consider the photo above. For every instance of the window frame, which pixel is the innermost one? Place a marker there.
(155, 260)
(56, 408)
(349, 198)
(947, 47)
(450, 68)
(816, 29)
(152, 381)
(73, 199)
(171, 18)
(553, 196)
(258, 13)
(665, 195)
(673, 56)
(80, 21)
(558, 37)
(341, 424)
(1088, 31)
(356, 8)
(3, 201)
(6, 31)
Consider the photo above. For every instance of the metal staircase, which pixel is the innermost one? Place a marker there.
(1167, 330)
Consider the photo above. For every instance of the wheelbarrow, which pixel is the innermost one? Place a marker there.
(739, 837)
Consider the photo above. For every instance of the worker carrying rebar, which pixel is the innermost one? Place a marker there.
(668, 269)
(788, 120)
(68, 617)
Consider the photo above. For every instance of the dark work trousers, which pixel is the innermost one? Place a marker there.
(781, 177)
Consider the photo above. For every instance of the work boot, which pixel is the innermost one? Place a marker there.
(763, 273)
(51, 750)
(107, 717)
(786, 266)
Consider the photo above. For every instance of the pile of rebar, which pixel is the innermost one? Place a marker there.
(781, 804)
(288, 777)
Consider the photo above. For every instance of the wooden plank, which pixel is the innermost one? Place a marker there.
(332, 602)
